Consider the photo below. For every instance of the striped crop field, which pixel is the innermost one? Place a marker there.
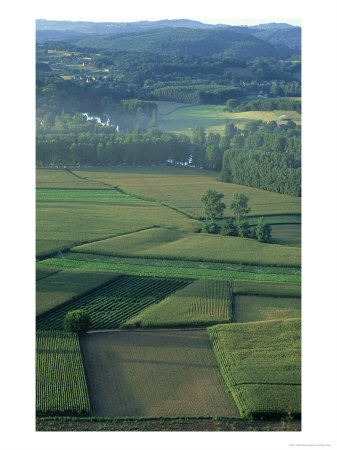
(83, 195)
(58, 288)
(113, 304)
(61, 387)
(64, 179)
(267, 289)
(195, 247)
(203, 302)
(261, 365)
(146, 267)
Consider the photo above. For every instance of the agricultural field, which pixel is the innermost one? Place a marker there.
(197, 247)
(289, 234)
(261, 364)
(253, 308)
(154, 374)
(83, 195)
(63, 286)
(64, 179)
(214, 118)
(267, 289)
(173, 269)
(201, 303)
(61, 387)
(183, 187)
(113, 304)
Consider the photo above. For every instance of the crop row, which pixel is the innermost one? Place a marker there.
(75, 195)
(115, 303)
(174, 270)
(61, 387)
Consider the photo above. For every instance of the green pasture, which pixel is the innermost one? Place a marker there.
(267, 289)
(201, 303)
(64, 224)
(214, 118)
(64, 179)
(83, 195)
(183, 188)
(253, 308)
(60, 287)
(261, 365)
(195, 247)
(165, 107)
(61, 387)
(286, 234)
(173, 269)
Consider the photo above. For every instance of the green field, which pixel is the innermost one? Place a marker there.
(61, 387)
(113, 304)
(261, 364)
(60, 287)
(286, 234)
(83, 195)
(64, 179)
(197, 247)
(201, 303)
(172, 269)
(183, 188)
(267, 289)
(154, 374)
(253, 308)
(214, 118)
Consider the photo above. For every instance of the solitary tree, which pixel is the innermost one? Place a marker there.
(240, 206)
(77, 321)
(262, 230)
(213, 205)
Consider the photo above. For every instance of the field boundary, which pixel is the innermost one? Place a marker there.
(79, 296)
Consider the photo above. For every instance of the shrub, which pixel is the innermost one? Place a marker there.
(228, 228)
(242, 228)
(77, 321)
(263, 230)
(210, 227)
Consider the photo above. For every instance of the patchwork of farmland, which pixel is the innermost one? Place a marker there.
(199, 304)
(154, 374)
(197, 247)
(149, 267)
(261, 364)
(115, 303)
(61, 387)
(183, 188)
(60, 287)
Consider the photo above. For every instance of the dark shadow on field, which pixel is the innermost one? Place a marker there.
(153, 373)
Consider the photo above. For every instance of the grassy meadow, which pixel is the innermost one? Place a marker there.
(197, 247)
(183, 188)
(261, 364)
(214, 117)
(201, 303)
(253, 308)
(154, 374)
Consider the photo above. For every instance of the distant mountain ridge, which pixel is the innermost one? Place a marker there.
(119, 35)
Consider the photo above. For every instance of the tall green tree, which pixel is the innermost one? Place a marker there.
(240, 206)
(213, 206)
(263, 230)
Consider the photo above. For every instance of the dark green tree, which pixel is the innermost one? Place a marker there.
(228, 228)
(240, 206)
(263, 230)
(77, 321)
(213, 206)
(242, 228)
(210, 227)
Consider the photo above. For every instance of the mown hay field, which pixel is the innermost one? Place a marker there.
(261, 364)
(172, 268)
(113, 304)
(61, 387)
(267, 289)
(286, 234)
(183, 188)
(83, 195)
(154, 374)
(253, 308)
(197, 247)
(201, 303)
(61, 287)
